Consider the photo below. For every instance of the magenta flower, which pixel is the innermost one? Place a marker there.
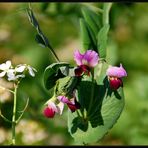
(85, 61)
(72, 104)
(50, 110)
(115, 74)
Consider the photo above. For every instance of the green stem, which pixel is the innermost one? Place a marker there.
(92, 92)
(55, 56)
(49, 46)
(14, 113)
(106, 9)
(3, 88)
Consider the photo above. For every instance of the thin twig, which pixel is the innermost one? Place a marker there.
(22, 111)
(7, 120)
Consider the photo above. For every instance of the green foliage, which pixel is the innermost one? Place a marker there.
(102, 41)
(127, 43)
(88, 38)
(93, 20)
(102, 107)
(53, 72)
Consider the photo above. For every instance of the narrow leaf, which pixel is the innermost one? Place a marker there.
(40, 37)
(102, 41)
(92, 19)
(87, 36)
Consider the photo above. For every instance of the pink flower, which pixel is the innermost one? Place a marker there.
(85, 61)
(50, 110)
(72, 103)
(115, 74)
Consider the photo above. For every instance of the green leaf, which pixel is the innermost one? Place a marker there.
(102, 40)
(40, 40)
(40, 37)
(106, 108)
(92, 19)
(88, 37)
(53, 72)
(65, 86)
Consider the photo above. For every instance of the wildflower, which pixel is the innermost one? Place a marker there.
(22, 67)
(14, 74)
(85, 61)
(5, 67)
(115, 74)
(72, 104)
(50, 110)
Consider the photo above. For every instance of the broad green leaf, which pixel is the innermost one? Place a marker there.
(102, 40)
(53, 72)
(92, 19)
(87, 36)
(106, 108)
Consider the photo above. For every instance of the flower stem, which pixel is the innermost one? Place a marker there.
(92, 91)
(14, 113)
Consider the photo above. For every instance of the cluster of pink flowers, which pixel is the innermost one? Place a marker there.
(85, 62)
(52, 107)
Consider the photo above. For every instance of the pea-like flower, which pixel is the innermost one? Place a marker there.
(85, 61)
(72, 104)
(115, 75)
(50, 110)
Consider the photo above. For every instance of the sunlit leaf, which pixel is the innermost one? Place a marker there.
(102, 41)
(93, 20)
(87, 36)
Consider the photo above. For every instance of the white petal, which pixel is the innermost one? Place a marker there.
(60, 107)
(12, 78)
(53, 106)
(2, 74)
(20, 68)
(20, 76)
(3, 66)
(8, 64)
(31, 72)
(10, 73)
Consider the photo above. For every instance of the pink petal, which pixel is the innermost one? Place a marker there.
(78, 57)
(114, 71)
(91, 58)
(52, 106)
(63, 99)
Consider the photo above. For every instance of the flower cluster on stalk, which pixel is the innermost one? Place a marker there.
(14, 73)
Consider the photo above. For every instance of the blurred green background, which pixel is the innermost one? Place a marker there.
(127, 44)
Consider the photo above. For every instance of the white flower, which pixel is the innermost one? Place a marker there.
(5, 67)
(31, 70)
(17, 72)
(23, 67)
